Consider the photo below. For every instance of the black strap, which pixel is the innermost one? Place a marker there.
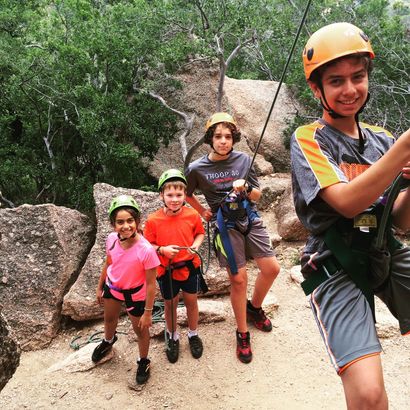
(354, 263)
(126, 292)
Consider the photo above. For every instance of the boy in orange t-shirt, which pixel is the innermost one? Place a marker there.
(176, 232)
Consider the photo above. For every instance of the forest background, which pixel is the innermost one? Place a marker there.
(88, 88)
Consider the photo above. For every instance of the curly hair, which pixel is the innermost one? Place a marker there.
(236, 134)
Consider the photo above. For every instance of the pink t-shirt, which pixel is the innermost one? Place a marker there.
(128, 266)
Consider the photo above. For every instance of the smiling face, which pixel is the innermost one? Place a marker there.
(173, 197)
(222, 140)
(125, 223)
(345, 85)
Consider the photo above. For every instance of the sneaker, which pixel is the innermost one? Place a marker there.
(102, 349)
(243, 347)
(259, 318)
(172, 350)
(143, 370)
(196, 346)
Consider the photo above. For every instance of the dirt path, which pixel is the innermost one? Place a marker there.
(290, 370)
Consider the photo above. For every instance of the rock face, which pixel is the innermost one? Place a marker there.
(79, 303)
(42, 248)
(250, 101)
(9, 352)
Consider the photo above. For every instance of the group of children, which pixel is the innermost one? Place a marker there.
(341, 173)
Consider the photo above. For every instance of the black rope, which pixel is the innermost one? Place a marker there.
(279, 86)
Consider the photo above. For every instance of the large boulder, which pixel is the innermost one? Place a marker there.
(42, 249)
(80, 303)
(9, 352)
(250, 101)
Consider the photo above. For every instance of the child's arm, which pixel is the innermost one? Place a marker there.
(350, 199)
(101, 282)
(206, 213)
(253, 194)
(197, 241)
(146, 318)
(401, 208)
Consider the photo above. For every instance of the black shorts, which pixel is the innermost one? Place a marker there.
(190, 285)
(134, 308)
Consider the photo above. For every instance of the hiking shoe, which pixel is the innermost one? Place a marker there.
(196, 346)
(243, 347)
(102, 349)
(143, 370)
(172, 350)
(258, 317)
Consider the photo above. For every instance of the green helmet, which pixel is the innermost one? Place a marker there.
(123, 200)
(171, 175)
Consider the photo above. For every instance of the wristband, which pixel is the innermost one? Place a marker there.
(149, 309)
(158, 252)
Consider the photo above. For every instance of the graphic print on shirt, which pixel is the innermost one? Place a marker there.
(223, 179)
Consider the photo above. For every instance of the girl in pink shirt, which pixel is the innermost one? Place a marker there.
(128, 275)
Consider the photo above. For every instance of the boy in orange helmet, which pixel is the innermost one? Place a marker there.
(341, 171)
(240, 232)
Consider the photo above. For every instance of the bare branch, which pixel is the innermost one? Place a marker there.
(6, 201)
(189, 121)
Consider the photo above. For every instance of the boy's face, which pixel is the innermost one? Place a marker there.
(125, 224)
(173, 197)
(222, 140)
(345, 85)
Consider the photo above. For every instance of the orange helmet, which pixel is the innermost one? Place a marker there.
(331, 42)
(219, 117)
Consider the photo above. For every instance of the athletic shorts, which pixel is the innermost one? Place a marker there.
(256, 244)
(134, 308)
(170, 290)
(396, 291)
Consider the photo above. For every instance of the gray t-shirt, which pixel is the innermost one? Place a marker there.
(322, 156)
(214, 178)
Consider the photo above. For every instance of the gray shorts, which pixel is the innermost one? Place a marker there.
(345, 320)
(256, 244)
(344, 317)
(396, 292)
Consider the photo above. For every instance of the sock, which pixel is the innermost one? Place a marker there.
(192, 333)
(174, 336)
(110, 341)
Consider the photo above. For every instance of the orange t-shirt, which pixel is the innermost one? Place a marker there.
(180, 230)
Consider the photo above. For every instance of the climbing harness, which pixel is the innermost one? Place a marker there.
(230, 211)
(126, 292)
(360, 247)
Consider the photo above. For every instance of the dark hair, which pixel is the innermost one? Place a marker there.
(316, 76)
(236, 135)
(132, 211)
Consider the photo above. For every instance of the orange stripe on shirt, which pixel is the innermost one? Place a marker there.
(318, 162)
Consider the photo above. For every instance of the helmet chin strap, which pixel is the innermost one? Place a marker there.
(124, 239)
(336, 115)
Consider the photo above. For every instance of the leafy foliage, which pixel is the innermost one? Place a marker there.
(75, 77)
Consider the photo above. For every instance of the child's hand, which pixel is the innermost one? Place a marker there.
(99, 297)
(170, 251)
(239, 185)
(193, 249)
(406, 171)
(206, 214)
(145, 320)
